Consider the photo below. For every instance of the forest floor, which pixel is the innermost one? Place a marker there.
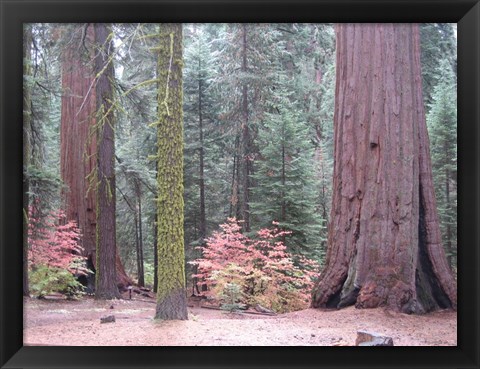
(77, 323)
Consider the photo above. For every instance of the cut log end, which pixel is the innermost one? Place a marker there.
(107, 319)
(365, 338)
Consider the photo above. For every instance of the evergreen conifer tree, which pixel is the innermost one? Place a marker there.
(442, 124)
(286, 188)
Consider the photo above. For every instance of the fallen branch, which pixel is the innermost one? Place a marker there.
(151, 302)
(240, 312)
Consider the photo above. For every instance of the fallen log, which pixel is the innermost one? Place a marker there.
(53, 296)
(150, 302)
(238, 312)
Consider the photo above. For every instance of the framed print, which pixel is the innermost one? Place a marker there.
(242, 199)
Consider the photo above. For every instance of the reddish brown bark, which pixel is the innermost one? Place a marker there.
(77, 159)
(106, 287)
(77, 139)
(384, 244)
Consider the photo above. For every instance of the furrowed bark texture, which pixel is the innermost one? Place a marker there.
(106, 287)
(78, 139)
(384, 244)
(77, 143)
(171, 290)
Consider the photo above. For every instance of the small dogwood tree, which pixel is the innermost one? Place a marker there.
(263, 270)
(54, 255)
(54, 244)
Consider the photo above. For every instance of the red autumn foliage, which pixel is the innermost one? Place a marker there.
(261, 267)
(54, 243)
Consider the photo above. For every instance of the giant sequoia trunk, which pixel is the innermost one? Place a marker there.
(78, 141)
(171, 290)
(77, 145)
(384, 244)
(106, 287)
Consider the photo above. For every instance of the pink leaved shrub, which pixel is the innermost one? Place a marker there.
(261, 269)
(54, 243)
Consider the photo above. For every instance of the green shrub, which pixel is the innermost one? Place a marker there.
(231, 296)
(148, 272)
(46, 280)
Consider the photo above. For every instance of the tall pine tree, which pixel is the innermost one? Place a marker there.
(442, 124)
(286, 188)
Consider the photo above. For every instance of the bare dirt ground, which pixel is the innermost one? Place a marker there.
(77, 323)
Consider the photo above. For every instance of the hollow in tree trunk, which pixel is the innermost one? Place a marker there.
(384, 243)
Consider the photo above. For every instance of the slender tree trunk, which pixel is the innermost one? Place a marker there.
(141, 270)
(134, 210)
(106, 287)
(171, 293)
(236, 186)
(202, 225)
(202, 220)
(384, 245)
(245, 138)
(78, 140)
(137, 247)
(320, 159)
(284, 205)
(155, 255)
(448, 205)
(234, 206)
(27, 116)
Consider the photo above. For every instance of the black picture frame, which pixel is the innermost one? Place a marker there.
(14, 13)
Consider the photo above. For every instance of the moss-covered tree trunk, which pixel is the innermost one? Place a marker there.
(384, 244)
(171, 290)
(106, 287)
(27, 116)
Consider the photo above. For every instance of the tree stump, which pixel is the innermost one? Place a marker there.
(108, 319)
(365, 338)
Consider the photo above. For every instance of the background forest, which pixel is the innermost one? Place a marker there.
(258, 102)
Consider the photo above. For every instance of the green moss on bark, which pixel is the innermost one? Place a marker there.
(171, 298)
